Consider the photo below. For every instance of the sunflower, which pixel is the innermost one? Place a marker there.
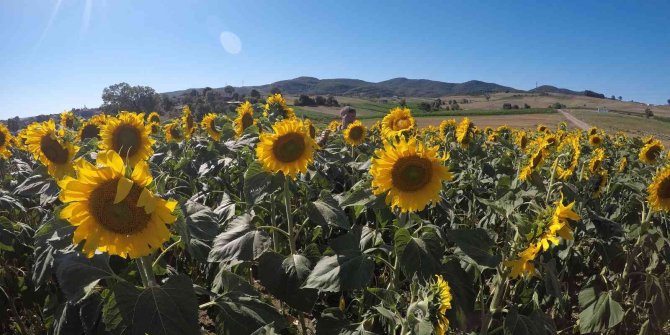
(310, 127)
(66, 120)
(276, 107)
(560, 219)
(288, 149)
(623, 163)
(54, 152)
(187, 122)
(334, 125)
(595, 140)
(571, 149)
(410, 173)
(5, 141)
(355, 133)
(173, 132)
(659, 191)
(128, 136)
(245, 118)
(599, 182)
(596, 160)
(447, 128)
(592, 131)
(651, 151)
(524, 264)
(155, 128)
(154, 118)
(542, 128)
(443, 295)
(209, 123)
(20, 139)
(397, 121)
(521, 139)
(91, 128)
(113, 209)
(464, 132)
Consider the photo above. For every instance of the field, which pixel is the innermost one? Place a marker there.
(142, 224)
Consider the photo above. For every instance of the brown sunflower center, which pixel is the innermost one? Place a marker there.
(3, 138)
(69, 122)
(212, 126)
(523, 142)
(595, 140)
(126, 140)
(90, 131)
(189, 122)
(288, 148)
(154, 128)
(155, 119)
(53, 150)
(653, 153)
(247, 120)
(356, 133)
(542, 128)
(411, 173)
(312, 131)
(596, 164)
(122, 218)
(402, 123)
(537, 158)
(175, 133)
(664, 189)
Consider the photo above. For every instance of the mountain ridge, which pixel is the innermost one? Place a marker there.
(399, 86)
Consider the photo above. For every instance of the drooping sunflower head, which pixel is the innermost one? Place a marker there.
(597, 159)
(288, 149)
(410, 173)
(521, 139)
(173, 132)
(442, 300)
(399, 120)
(114, 210)
(245, 118)
(55, 152)
(311, 128)
(595, 140)
(599, 182)
(209, 123)
(355, 133)
(569, 152)
(334, 125)
(154, 118)
(623, 164)
(5, 141)
(651, 151)
(550, 139)
(464, 132)
(659, 191)
(128, 136)
(592, 131)
(155, 128)
(91, 128)
(67, 120)
(276, 108)
(187, 122)
(447, 129)
(542, 128)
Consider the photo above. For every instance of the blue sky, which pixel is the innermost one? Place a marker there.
(58, 59)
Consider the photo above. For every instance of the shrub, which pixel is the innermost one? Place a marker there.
(507, 105)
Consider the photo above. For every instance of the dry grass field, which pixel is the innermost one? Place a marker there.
(634, 125)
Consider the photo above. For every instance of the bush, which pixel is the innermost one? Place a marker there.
(515, 107)
(507, 105)
(648, 113)
(526, 106)
(424, 106)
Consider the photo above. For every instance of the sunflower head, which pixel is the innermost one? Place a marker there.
(592, 131)
(521, 139)
(595, 140)
(128, 136)
(288, 149)
(209, 123)
(597, 159)
(67, 120)
(245, 118)
(154, 118)
(569, 152)
(173, 132)
(659, 191)
(623, 164)
(52, 150)
(447, 129)
(5, 141)
(599, 182)
(276, 108)
(114, 209)
(464, 132)
(442, 301)
(355, 133)
(311, 128)
(91, 128)
(399, 120)
(542, 128)
(409, 173)
(651, 151)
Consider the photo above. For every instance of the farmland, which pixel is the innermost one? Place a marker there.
(253, 224)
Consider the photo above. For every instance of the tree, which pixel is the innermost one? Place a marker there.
(403, 102)
(304, 100)
(526, 106)
(613, 97)
(331, 101)
(166, 103)
(620, 99)
(229, 89)
(275, 90)
(668, 100)
(193, 93)
(255, 94)
(120, 97)
(210, 96)
(424, 106)
(320, 100)
(437, 103)
(648, 112)
(14, 124)
(507, 105)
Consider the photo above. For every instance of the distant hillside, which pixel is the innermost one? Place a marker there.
(402, 87)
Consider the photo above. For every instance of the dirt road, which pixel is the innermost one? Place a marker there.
(575, 121)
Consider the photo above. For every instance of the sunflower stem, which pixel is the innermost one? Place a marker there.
(155, 262)
(289, 216)
(144, 263)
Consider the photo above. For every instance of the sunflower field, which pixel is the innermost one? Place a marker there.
(261, 223)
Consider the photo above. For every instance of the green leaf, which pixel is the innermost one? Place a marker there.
(159, 310)
(258, 183)
(226, 281)
(326, 211)
(52, 236)
(240, 242)
(334, 322)
(476, 244)
(550, 277)
(518, 324)
(198, 229)
(342, 272)
(283, 278)
(418, 255)
(76, 273)
(359, 195)
(242, 314)
(463, 292)
(599, 311)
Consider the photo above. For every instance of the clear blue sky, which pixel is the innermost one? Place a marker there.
(58, 59)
